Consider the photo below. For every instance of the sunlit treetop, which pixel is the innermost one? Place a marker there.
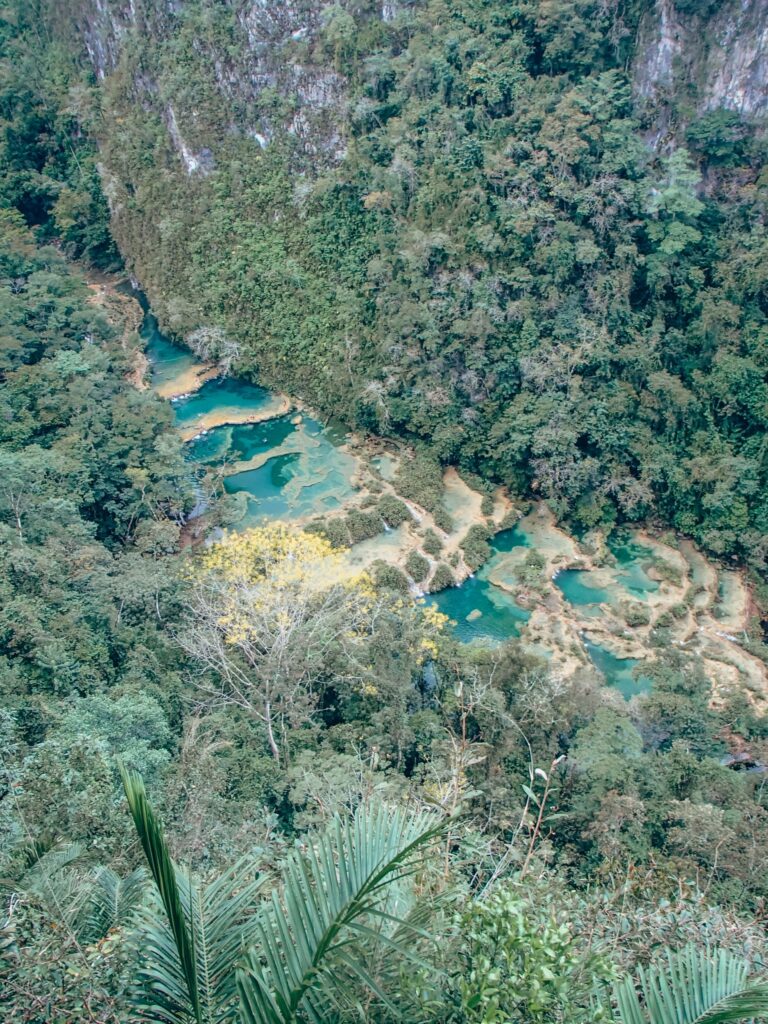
(279, 553)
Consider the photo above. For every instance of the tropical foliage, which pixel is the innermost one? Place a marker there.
(694, 985)
(471, 246)
(447, 225)
(303, 951)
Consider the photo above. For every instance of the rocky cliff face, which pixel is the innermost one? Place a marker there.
(263, 65)
(272, 67)
(704, 56)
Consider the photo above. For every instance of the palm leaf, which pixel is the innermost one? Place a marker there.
(334, 899)
(56, 879)
(112, 901)
(693, 986)
(218, 920)
(164, 873)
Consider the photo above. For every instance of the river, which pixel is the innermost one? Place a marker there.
(281, 463)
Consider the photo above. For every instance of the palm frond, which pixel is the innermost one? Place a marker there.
(219, 920)
(112, 901)
(57, 880)
(693, 986)
(333, 898)
(53, 860)
(164, 874)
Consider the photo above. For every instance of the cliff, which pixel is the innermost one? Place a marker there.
(442, 220)
(273, 66)
(699, 56)
(259, 59)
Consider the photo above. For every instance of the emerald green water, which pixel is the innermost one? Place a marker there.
(619, 672)
(242, 441)
(500, 616)
(505, 541)
(307, 474)
(287, 487)
(166, 360)
(301, 470)
(221, 394)
(577, 587)
(631, 559)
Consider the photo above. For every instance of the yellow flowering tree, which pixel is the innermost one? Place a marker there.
(270, 608)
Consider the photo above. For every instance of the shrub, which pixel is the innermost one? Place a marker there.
(363, 525)
(393, 511)
(335, 530)
(432, 543)
(389, 577)
(442, 520)
(417, 566)
(487, 505)
(475, 546)
(666, 571)
(420, 478)
(636, 614)
(510, 520)
(319, 527)
(531, 573)
(443, 578)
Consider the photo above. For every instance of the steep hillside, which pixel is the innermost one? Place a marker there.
(447, 221)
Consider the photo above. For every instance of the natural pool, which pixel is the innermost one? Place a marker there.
(168, 362)
(288, 466)
(224, 396)
(580, 588)
(632, 559)
(285, 466)
(499, 618)
(618, 672)
(629, 582)
(481, 610)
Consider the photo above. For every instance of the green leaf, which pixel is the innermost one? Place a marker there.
(531, 795)
(334, 903)
(164, 873)
(693, 987)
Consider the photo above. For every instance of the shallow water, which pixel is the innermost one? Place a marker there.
(501, 617)
(241, 442)
(631, 559)
(517, 537)
(618, 672)
(222, 395)
(292, 470)
(307, 473)
(578, 587)
(167, 361)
